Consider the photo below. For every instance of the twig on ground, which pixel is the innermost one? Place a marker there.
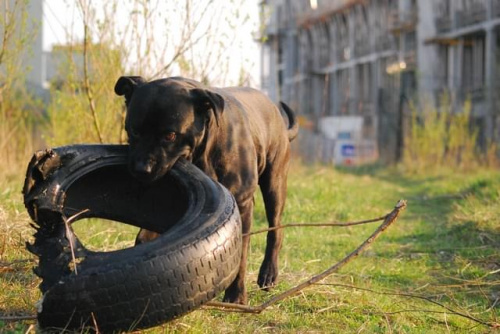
(17, 317)
(388, 220)
(11, 266)
(332, 224)
(70, 235)
(427, 299)
(95, 323)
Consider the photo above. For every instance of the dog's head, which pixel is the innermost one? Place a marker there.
(166, 119)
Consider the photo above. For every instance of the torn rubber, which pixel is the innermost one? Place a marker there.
(196, 256)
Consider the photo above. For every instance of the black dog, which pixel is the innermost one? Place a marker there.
(237, 136)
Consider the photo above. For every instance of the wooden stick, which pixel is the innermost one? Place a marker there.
(70, 236)
(389, 219)
(18, 317)
(332, 224)
(427, 299)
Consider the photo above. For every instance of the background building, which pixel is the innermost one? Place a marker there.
(367, 58)
(39, 67)
(23, 20)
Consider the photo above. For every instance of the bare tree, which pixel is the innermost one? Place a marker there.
(151, 38)
(19, 110)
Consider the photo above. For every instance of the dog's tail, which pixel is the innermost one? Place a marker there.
(293, 125)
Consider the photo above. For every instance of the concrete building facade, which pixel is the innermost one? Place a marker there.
(369, 57)
(26, 21)
(39, 68)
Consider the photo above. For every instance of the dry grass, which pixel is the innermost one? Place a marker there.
(439, 259)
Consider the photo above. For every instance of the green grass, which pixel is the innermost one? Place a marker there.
(444, 247)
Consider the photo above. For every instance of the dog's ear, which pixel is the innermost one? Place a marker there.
(207, 100)
(127, 85)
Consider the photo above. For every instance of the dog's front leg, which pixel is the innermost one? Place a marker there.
(237, 293)
(145, 236)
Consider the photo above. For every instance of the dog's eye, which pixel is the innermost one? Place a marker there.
(170, 136)
(134, 133)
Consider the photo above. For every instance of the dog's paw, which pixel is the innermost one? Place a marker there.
(268, 275)
(235, 297)
(236, 293)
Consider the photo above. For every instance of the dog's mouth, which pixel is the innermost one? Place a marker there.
(152, 172)
(147, 178)
(152, 167)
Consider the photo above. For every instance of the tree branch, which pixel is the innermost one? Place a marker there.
(187, 41)
(332, 224)
(427, 299)
(17, 317)
(389, 219)
(86, 81)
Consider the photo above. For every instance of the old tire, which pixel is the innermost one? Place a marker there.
(196, 256)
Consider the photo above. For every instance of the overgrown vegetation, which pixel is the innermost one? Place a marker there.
(445, 137)
(83, 107)
(443, 248)
(19, 110)
(160, 38)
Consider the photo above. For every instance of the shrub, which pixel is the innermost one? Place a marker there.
(440, 137)
(19, 110)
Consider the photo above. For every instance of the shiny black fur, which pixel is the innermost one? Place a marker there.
(235, 135)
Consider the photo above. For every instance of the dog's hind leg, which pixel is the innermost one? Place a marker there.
(273, 187)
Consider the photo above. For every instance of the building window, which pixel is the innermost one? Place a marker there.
(295, 55)
(497, 56)
(343, 90)
(365, 85)
(410, 48)
(305, 52)
(325, 45)
(443, 19)
(473, 66)
(443, 65)
(344, 51)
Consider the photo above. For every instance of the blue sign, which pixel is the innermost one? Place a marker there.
(348, 150)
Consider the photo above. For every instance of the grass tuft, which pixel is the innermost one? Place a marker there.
(444, 247)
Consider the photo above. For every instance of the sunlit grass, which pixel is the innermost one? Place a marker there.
(105, 235)
(444, 247)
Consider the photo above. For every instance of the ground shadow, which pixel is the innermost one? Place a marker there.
(459, 258)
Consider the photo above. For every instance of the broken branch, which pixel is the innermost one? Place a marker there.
(427, 299)
(17, 317)
(70, 235)
(332, 224)
(388, 220)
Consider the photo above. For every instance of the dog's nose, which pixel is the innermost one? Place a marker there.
(143, 167)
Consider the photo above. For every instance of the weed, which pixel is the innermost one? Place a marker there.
(443, 137)
(444, 247)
